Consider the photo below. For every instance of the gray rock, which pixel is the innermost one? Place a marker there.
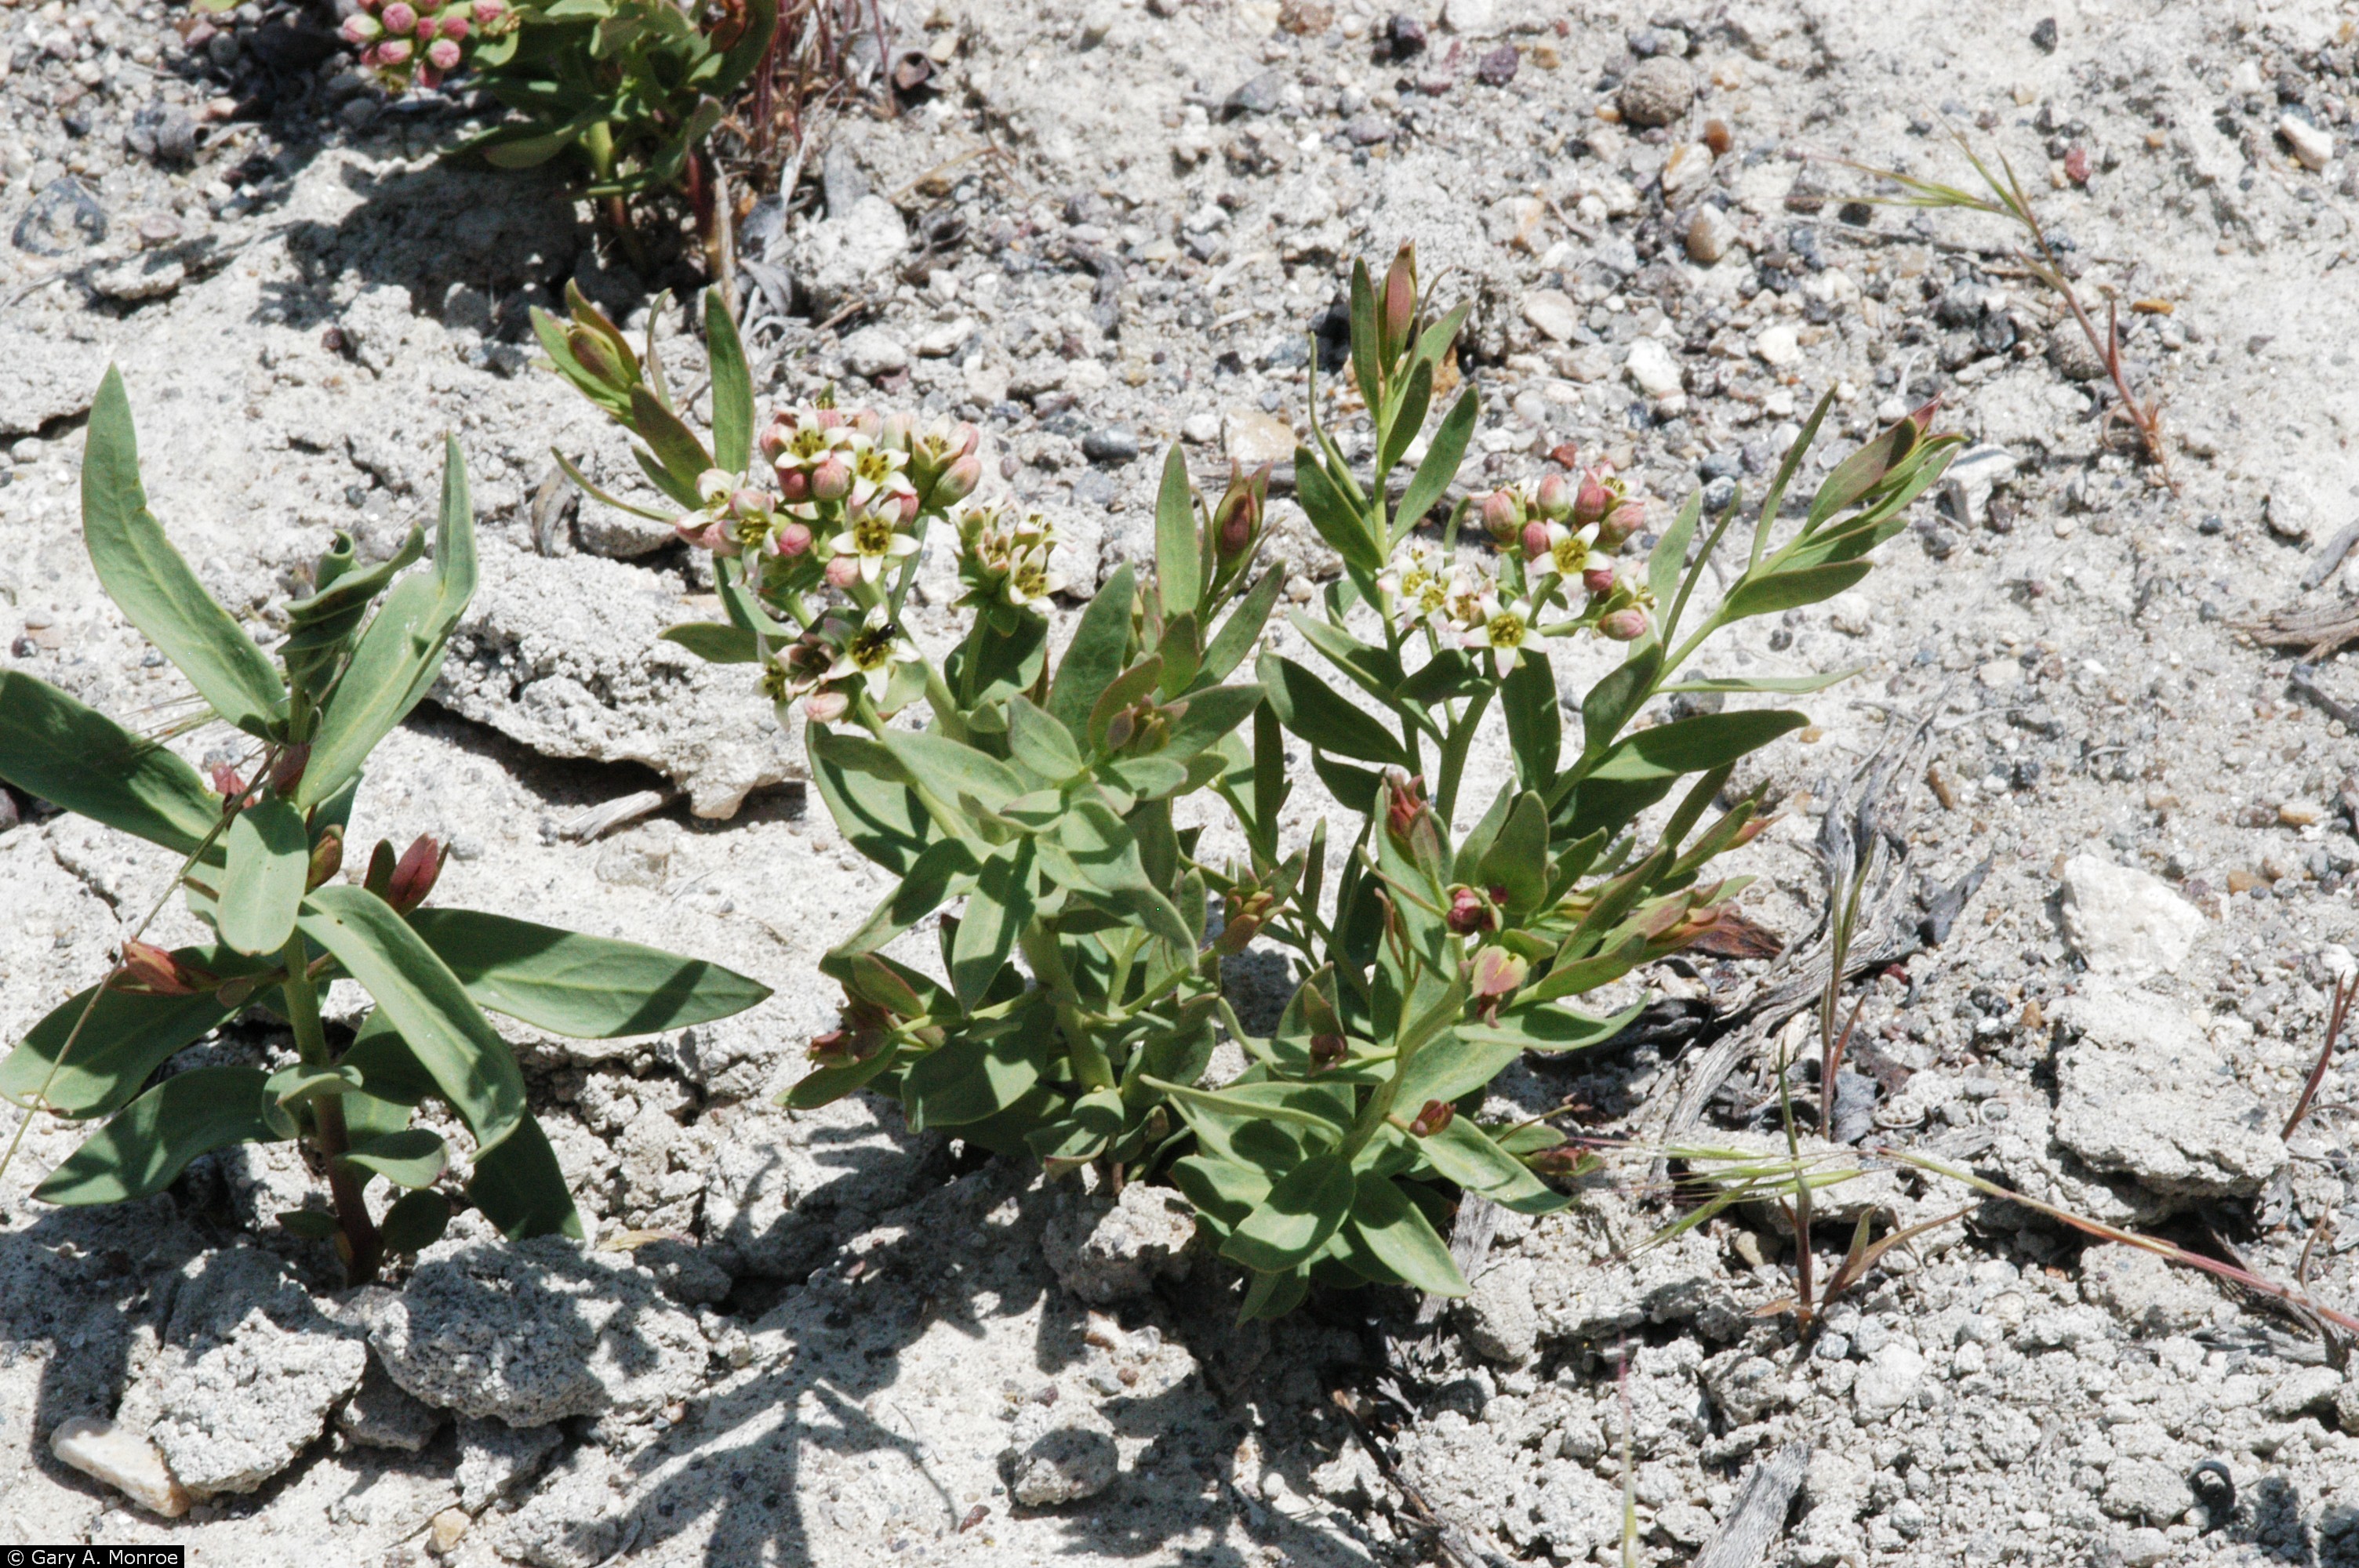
(2346, 1405)
(2146, 1489)
(781, 1181)
(1110, 444)
(2074, 356)
(1709, 234)
(1657, 92)
(1747, 1389)
(1106, 1252)
(381, 1414)
(1499, 1319)
(1553, 312)
(495, 1459)
(2144, 1291)
(842, 256)
(1575, 1511)
(871, 351)
(141, 278)
(2127, 923)
(2305, 1390)
(1888, 1381)
(1061, 1453)
(1583, 1293)
(2142, 1094)
(250, 1372)
(533, 1332)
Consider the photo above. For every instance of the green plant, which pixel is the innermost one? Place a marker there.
(261, 850)
(1077, 997)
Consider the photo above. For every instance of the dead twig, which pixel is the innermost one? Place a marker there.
(1758, 1515)
(2345, 986)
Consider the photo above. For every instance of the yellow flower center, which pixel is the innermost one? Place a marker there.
(1569, 555)
(809, 441)
(873, 466)
(871, 647)
(872, 536)
(1505, 631)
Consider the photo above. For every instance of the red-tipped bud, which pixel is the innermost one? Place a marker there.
(1405, 805)
(1243, 915)
(1564, 1159)
(1535, 539)
(1628, 515)
(842, 571)
(958, 481)
(1236, 520)
(832, 480)
(454, 27)
(400, 18)
(1626, 625)
(1437, 1115)
(287, 771)
(1502, 515)
(591, 350)
(414, 874)
(907, 507)
(826, 707)
(154, 971)
(362, 30)
(1396, 311)
(225, 781)
(489, 11)
(794, 485)
(1328, 1051)
(326, 857)
(868, 422)
(1554, 497)
(1749, 832)
(1469, 911)
(1597, 580)
(965, 439)
(1592, 501)
(1497, 973)
(793, 539)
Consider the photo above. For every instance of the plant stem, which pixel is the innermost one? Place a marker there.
(329, 1136)
(1454, 754)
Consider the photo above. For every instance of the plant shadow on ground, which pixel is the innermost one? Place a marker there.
(867, 1373)
(2269, 1516)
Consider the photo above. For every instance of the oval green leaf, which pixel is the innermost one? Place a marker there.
(589, 987)
(76, 757)
(269, 858)
(140, 1152)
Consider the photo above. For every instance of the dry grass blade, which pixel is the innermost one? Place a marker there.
(2007, 199)
(2345, 986)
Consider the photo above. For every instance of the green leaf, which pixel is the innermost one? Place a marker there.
(1098, 653)
(300, 1081)
(1464, 1153)
(1253, 1102)
(1339, 521)
(1408, 419)
(995, 913)
(738, 64)
(521, 148)
(968, 1080)
(139, 1153)
(1213, 716)
(1624, 689)
(1790, 589)
(1518, 859)
(413, 1158)
(1271, 1296)
(588, 988)
(1528, 699)
(715, 642)
(1305, 1208)
(732, 388)
(1670, 552)
(269, 858)
(154, 587)
(311, 1224)
(76, 757)
(415, 1222)
(1366, 372)
(1861, 472)
(878, 815)
(1179, 553)
(520, 1187)
(1787, 466)
(128, 1038)
(425, 1002)
(1450, 1065)
(1039, 743)
(1440, 465)
(1390, 1227)
(401, 653)
(953, 770)
(1695, 745)
(1243, 629)
(1531, 1027)
(1315, 711)
(1083, 1134)
(675, 446)
(1783, 685)
(1224, 1191)
(825, 1086)
(1377, 671)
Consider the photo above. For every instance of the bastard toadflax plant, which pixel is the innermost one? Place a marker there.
(1032, 818)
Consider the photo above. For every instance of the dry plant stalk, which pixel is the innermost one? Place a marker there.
(2345, 986)
(2007, 199)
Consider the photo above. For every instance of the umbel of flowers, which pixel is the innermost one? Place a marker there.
(418, 42)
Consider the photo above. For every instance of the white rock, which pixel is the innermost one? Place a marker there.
(1888, 1381)
(1652, 369)
(2125, 922)
(837, 258)
(2141, 1093)
(1690, 164)
(1202, 429)
(2313, 147)
(1973, 476)
(1108, 1252)
(871, 351)
(1470, 18)
(1778, 346)
(945, 338)
(1253, 437)
(2000, 675)
(122, 1458)
(1553, 312)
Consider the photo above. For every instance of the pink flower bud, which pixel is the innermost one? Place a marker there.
(958, 481)
(1536, 540)
(826, 707)
(1628, 515)
(1502, 515)
(225, 781)
(156, 972)
(842, 571)
(489, 11)
(894, 435)
(1598, 579)
(392, 52)
(454, 27)
(793, 540)
(832, 481)
(965, 439)
(1398, 308)
(907, 507)
(1436, 1115)
(442, 55)
(867, 422)
(794, 485)
(1593, 501)
(1554, 497)
(429, 78)
(414, 874)
(748, 501)
(1468, 912)
(287, 771)
(1626, 625)
(362, 29)
(400, 17)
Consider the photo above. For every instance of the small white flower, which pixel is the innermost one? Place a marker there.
(872, 651)
(1506, 628)
(804, 441)
(876, 472)
(873, 538)
(1568, 553)
(1030, 580)
(1422, 579)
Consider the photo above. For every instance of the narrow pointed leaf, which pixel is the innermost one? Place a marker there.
(714, 641)
(1464, 1153)
(733, 387)
(128, 1038)
(53, 746)
(1305, 1208)
(520, 1187)
(589, 987)
(153, 586)
(140, 1152)
(413, 1158)
(995, 913)
(1179, 559)
(1098, 653)
(1440, 465)
(1390, 1227)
